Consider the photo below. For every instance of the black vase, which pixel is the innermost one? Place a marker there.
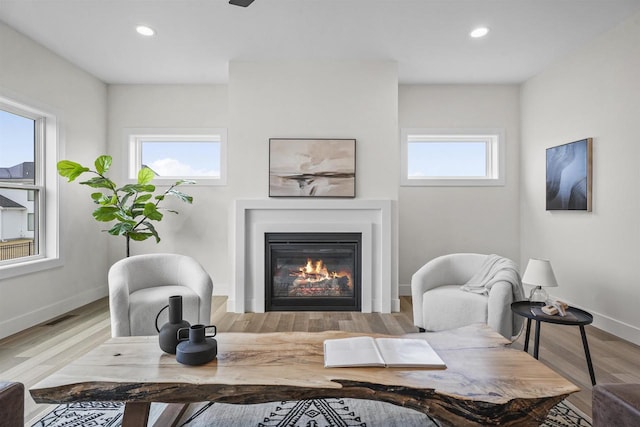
(199, 348)
(168, 334)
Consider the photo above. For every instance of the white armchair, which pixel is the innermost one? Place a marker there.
(140, 286)
(439, 303)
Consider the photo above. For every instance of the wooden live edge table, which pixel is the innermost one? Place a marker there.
(485, 383)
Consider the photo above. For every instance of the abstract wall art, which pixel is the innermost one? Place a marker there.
(312, 167)
(569, 176)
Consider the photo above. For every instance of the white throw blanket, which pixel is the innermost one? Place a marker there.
(495, 269)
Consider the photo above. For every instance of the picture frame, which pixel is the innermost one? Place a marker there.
(312, 167)
(569, 170)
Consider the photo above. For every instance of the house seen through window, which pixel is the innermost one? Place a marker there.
(29, 204)
(19, 190)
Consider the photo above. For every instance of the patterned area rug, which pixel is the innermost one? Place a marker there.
(303, 413)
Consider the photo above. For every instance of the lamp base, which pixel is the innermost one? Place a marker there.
(538, 295)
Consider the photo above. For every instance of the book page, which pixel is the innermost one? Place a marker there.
(357, 351)
(409, 353)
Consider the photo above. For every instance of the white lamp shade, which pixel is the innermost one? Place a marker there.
(539, 273)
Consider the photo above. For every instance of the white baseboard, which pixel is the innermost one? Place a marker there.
(616, 327)
(42, 314)
(608, 324)
(404, 290)
(221, 289)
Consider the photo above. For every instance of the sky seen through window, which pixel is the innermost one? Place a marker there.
(16, 139)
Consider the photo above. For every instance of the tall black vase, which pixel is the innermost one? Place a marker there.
(168, 334)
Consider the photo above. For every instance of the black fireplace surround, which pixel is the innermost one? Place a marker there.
(313, 271)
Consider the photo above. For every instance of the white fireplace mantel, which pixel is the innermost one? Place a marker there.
(253, 218)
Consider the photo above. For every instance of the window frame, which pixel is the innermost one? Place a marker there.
(495, 156)
(47, 145)
(135, 138)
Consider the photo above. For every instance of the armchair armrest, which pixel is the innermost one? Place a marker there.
(119, 300)
(499, 315)
(12, 404)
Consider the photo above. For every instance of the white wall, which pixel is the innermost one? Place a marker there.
(263, 100)
(315, 99)
(34, 74)
(438, 220)
(200, 229)
(593, 93)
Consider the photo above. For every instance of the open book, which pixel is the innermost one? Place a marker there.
(389, 352)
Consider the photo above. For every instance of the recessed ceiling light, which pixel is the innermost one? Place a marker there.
(479, 32)
(145, 31)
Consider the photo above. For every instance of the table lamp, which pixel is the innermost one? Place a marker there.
(539, 274)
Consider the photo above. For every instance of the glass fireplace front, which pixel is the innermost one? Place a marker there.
(312, 271)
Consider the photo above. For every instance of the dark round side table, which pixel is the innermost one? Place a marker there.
(574, 317)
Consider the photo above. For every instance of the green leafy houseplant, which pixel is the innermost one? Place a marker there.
(132, 206)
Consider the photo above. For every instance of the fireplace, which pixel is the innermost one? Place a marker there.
(313, 271)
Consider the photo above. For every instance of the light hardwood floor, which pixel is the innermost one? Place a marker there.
(33, 354)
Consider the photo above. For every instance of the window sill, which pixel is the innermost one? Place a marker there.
(29, 267)
(199, 182)
(478, 182)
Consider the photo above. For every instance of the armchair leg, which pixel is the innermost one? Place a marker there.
(421, 329)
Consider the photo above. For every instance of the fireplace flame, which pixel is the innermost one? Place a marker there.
(317, 273)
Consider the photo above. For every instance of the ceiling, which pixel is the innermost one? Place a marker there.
(428, 39)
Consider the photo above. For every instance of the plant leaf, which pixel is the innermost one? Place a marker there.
(106, 213)
(138, 188)
(103, 163)
(180, 195)
(151, 212)
(128, 189)
(99, 182)
(143, 198)
(139, 236)
(71, 170)
(145, 175)
(102, 199)
(152, 230)
(120, 229)
(184, 181)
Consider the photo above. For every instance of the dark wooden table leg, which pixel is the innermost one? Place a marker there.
(171, 415)
(587, 355)
(527, 335)
(136, 414)
(536, 342)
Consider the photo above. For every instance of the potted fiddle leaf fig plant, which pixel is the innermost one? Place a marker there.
(133, 207)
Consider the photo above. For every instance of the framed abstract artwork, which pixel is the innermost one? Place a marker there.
(569, 176)
(307, 167)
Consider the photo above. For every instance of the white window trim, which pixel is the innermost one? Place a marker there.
(49, 240)
(495, 156)
(134, 137)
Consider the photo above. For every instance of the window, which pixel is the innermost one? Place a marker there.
(28, 183)
(454, 158)
(199, 155)
(31, 221)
